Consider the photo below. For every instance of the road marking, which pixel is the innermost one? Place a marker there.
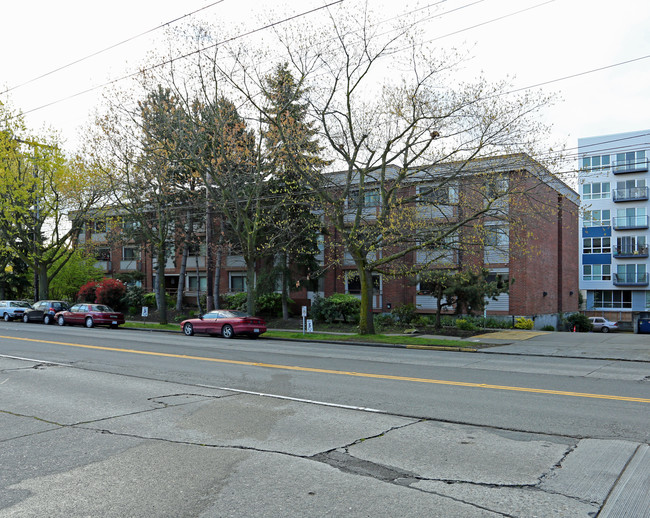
(343, 373)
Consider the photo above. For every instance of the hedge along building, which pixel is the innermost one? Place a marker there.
(507, 214)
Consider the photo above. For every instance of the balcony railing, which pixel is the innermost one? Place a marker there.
(634, 194)
(630, 222)
(630, 166)
(630, 279)
(624, 252)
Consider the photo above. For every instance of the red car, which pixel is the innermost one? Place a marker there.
(226, 323)
(89, 315)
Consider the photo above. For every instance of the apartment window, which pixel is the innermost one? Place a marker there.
(610, 299)
(591, 163)
(596, 191)
(438, 194)
(631, 273)
(353, 283)
(495, 187)
(630, 160)
(130, 253)
(237, 282)
(368, 198)
(597, 218)
(596, 245)
(100, 226)
(200, 282)
(631, 245)
(103, 254)
(597, 272)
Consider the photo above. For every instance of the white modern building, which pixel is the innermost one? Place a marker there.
(614, 181)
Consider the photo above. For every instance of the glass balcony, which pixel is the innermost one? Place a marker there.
(627, 252)
(630, 166)
(634, 194)
(630, 279)
(630, 222)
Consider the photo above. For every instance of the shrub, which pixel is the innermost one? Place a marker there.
(133, 299)
(236, 301)
(465, 325)
(270, 304)
(149, 300)
(581, 323)
(424, 320)
(524, 323)
(87, 293)
(339, 306)
(405, 313)
(383, 321)
(110, 292)
(548, 328)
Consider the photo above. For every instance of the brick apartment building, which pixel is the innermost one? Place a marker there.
(536, 248)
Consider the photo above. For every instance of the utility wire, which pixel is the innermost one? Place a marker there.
(172, 60)
(171, 22)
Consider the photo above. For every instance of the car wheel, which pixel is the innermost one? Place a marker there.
(227, 331)
(61, 320)
(47, 319)
(605, 329)
(89, 322)
(6, 317)
(25, 318)
(188, 329)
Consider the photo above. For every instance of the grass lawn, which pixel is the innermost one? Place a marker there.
(385, 339)
(406, 340)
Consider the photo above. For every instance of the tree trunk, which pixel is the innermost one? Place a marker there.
(285, 286)
(160, 272)
(366, 320)
(43, 282)
(217, 267)
(250, 287)
(181, 278)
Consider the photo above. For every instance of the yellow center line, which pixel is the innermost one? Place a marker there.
(343, 373)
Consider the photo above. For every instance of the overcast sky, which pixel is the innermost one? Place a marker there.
(549, 41)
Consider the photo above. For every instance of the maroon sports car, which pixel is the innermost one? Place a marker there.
(226, 323)
(89, 315)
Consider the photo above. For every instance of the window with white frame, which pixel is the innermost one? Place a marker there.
(597, 272)
(595, 163)
(631, 273)
(103, 254)
(597, 245)
(597, 218)
(446, 194)
(197, 282)
(629, 160)
(368, 198)
(596, 191)
(130, 253)
(353, 283)
(237, 282)
(631, 245)
(612, 299)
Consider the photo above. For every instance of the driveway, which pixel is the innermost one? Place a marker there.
(614, 346)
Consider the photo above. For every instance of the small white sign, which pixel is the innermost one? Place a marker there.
(304, 311)
(145, 311)
(310, 326)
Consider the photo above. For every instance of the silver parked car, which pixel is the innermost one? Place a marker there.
(603, 325)
(13, 309)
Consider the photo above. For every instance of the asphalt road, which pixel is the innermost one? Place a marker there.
(98, 422)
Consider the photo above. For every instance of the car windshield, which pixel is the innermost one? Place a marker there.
(20, 304)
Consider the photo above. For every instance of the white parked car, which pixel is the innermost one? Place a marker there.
(13, 309)
(603, 325)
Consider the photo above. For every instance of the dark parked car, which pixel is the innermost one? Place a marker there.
(225, 323)
(89, 315)
(13, 309)
(44, 311)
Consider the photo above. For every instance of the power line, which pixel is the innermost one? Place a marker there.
(172, 60)
(106, 49)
